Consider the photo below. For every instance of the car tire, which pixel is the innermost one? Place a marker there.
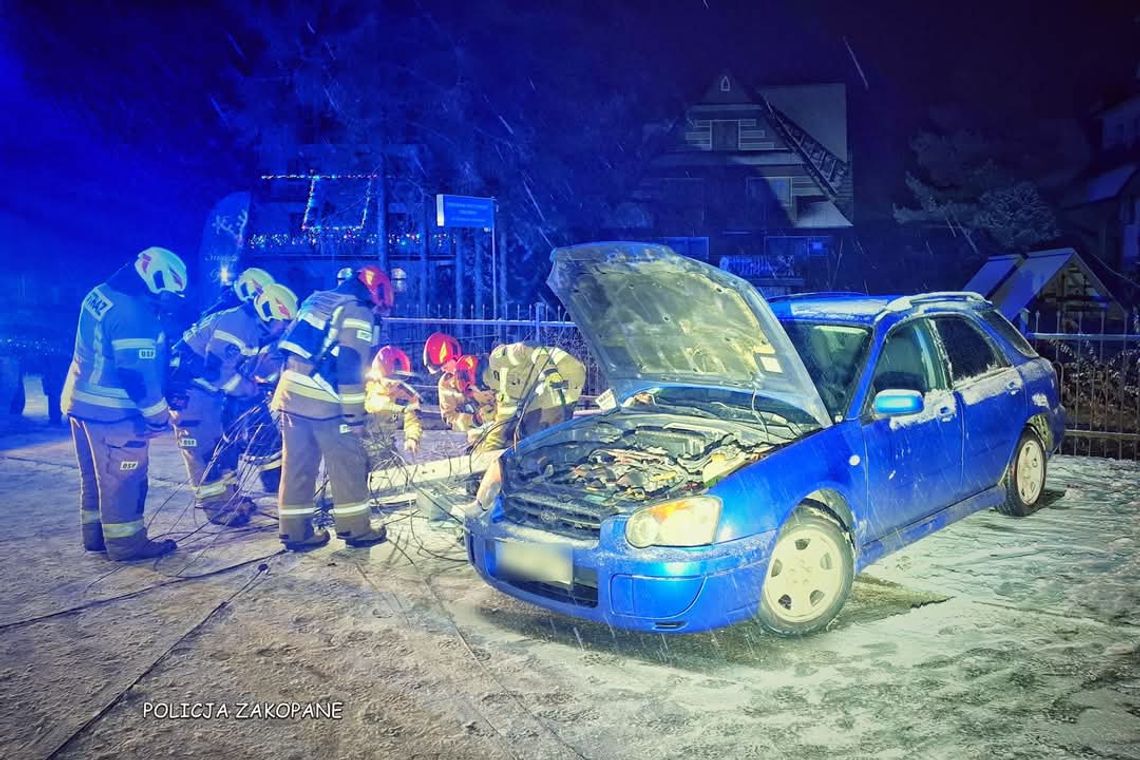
(1024, 481)
(815, 559)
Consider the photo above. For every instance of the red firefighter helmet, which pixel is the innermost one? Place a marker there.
(440, 352)
(378, 284)
(392, 362)
(469, 370)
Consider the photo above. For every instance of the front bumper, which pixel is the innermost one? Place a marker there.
(659, 589)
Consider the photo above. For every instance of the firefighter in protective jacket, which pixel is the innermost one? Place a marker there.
(321, 400)
(390, 402)
(535, 387)
(114, 397)
(470, 402)
(462, 413)
(215, 361)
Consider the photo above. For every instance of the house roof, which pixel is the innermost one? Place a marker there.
(992, 274)
(818, 109)
(1101, 187)
(1038, 272)
(726, 90)
(820, 215)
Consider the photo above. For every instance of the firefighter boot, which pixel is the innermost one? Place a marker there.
(146, 549)
(316, 540)
(374, 535)
(354, 525)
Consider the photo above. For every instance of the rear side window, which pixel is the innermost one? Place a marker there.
(970, 354)
(1003, 327)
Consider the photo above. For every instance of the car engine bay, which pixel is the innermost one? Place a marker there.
(634, 457)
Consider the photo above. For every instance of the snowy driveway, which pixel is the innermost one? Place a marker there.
(994, 638)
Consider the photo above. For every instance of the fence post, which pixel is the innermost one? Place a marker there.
(1123, 391)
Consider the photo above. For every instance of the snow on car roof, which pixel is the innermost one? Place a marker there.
(859, 309)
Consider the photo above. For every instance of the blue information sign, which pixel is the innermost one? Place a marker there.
(464, 211)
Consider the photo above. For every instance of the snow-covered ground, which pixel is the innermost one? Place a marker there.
(997, 637)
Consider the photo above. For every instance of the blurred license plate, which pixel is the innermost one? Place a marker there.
(535, 562)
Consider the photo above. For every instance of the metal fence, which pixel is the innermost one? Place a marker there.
(1099, 372)
(478, 333)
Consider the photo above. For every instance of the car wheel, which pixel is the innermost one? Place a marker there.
(809, 575)
(1025, 477)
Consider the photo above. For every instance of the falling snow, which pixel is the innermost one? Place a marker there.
(990, 618)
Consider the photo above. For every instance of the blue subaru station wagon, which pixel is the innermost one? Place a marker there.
(758, 454)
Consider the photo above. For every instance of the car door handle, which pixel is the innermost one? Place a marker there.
(946, 414)
(1013, 387)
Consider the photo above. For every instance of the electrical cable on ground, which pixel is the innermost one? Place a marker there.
(133, 594)
(261, 570)
(459, 634)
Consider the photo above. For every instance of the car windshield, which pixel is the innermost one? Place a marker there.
(833, 354)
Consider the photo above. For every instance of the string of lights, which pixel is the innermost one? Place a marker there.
(320, 176)
(319, 228)
(263, 241)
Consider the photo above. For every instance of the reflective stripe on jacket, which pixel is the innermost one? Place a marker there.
(119, 364)
(392, 402)
(328, 350)
(462, 411)
(537, 392)
(226, 342)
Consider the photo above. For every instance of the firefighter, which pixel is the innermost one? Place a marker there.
(321, 400)
(441, 352)
(535, 387)
(215, 361)
(476, 400)
(390, 401)
(245, 288)
(262, 437)
(114, 397)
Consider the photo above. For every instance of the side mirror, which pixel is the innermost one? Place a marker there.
(895, 403)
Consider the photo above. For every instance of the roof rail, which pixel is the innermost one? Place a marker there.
(816, 294)
(902, 303)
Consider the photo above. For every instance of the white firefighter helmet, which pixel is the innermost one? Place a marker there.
(344, 274)
(162, 270)
(276, 302)
(251, 282)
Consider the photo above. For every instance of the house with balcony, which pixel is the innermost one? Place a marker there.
(755, 180)
(1102, 207)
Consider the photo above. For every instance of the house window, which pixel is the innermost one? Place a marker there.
(726, 135)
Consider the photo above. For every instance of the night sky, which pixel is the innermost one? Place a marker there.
(111, 133)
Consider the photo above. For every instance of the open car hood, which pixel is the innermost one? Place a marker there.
(654, 318)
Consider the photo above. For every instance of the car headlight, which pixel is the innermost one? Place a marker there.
(684, 522)
(489, 486)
